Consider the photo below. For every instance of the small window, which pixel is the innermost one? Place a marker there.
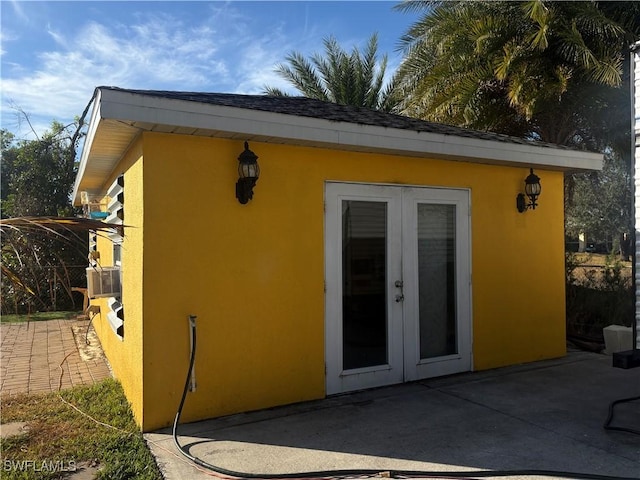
(117, 254)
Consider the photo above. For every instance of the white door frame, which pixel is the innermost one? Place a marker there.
(402, 324)
(461, 361)
(339, 380)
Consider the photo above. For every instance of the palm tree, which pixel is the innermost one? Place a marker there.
(556, 71)
(538, 68)
(337, 76)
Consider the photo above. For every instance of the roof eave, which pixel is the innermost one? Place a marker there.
(129, 113)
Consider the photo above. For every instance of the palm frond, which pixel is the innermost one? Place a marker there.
(58, 226)
(538, 52)
(419, 5)
(27, 249)
(274, 92)
(302, 75)
(349, 78)
(13, 278)
(71, 231)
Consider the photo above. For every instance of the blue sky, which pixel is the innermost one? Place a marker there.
(55, 53)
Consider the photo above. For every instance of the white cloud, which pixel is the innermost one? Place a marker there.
(257, 60)
(57, 37)
(158, 53)
(18, 11)
(225, 50)
(6, 35)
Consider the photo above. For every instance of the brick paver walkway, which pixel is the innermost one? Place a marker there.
(31, 355)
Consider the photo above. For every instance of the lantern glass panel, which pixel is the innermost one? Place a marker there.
(532, 189)
(248, 170)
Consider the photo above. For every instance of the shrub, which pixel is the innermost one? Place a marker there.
(598, 296)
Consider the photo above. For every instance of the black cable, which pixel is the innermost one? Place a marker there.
(397, 474)
(607, 423)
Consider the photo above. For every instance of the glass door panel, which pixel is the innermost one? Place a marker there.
(437, 288)
(364, 284)
(437, 280)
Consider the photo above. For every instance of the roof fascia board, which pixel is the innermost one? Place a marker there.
(88, 142)
(132, 107)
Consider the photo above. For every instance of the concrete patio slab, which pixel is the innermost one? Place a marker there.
(543, 416)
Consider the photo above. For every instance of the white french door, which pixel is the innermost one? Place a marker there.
(397, 269)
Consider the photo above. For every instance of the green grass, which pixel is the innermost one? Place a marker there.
(58, 433)
(38, 317)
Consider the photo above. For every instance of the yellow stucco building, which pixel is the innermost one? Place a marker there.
(376, 249)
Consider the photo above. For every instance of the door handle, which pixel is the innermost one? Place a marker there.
(399, 298)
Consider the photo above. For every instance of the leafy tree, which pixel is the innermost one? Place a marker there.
(355, 78)
(7, 161)
(536, 68)
(38, 175)
(547, 70)
(37, 178)
(602, 203)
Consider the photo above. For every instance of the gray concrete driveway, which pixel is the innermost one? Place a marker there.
(542, 416)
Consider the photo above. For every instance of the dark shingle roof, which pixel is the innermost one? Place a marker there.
(308, 107)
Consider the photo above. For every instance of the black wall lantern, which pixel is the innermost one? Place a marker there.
(248, 171)
(532, 188)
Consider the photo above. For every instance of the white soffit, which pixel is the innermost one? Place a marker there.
(119, 116)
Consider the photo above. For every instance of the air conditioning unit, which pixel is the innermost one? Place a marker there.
(103, 282)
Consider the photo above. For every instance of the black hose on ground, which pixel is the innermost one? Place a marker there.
(333, 474)
(607, 423)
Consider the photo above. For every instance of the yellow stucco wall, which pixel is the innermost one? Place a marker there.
(125, 356)
(253, 274)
